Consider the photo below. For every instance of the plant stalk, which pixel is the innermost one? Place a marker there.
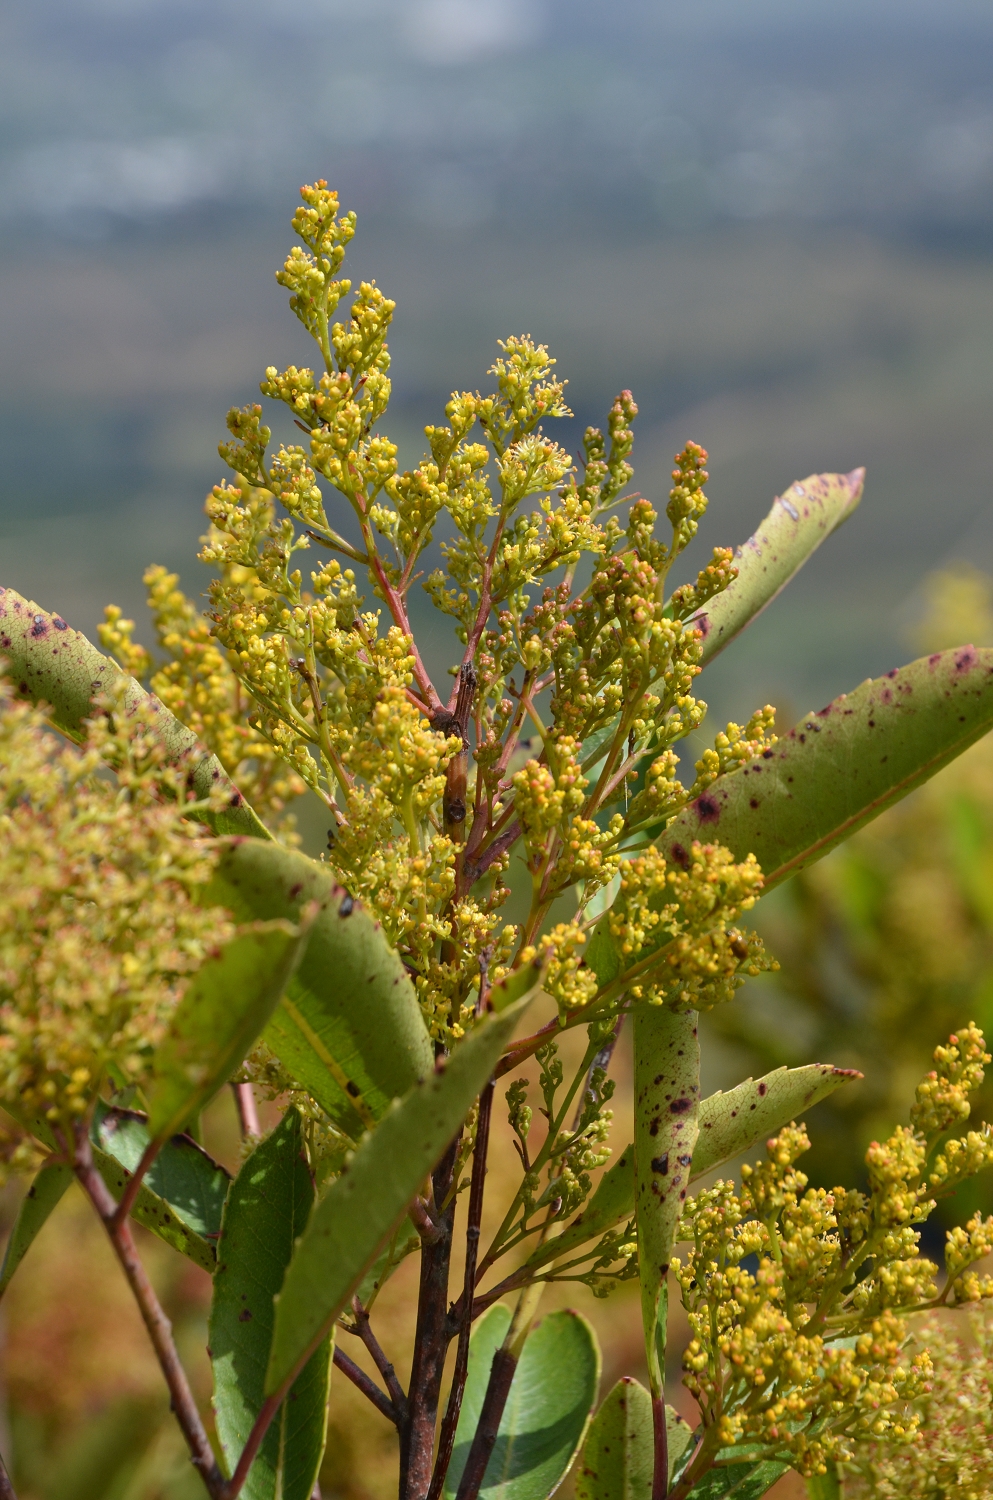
(449, 1426)
(153, 1316)
(430, 1343)
(505, 1362)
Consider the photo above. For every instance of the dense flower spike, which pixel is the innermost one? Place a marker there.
(99, 928)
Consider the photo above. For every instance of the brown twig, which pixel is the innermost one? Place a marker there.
(260, 1427)
(501, 1377)
(430, 1344)
(248, 1114)
(134, 1181)
(446, 1442)
(7, 1491)
(660, 1472)
(155, 1320)
(363, 1329)
(366, 1385)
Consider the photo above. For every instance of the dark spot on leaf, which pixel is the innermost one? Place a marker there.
(767, 754)
(353, 1089)
(680, 1106)
(661, 1164)
(235, 799)
(295, 890)
(59, 623)
(653, 1128)
(753, 802)
(39, 627)
(347, 906)
(762, 1090)
(244, 1316)
(684, 1161)
(678, 852)
(707, 809)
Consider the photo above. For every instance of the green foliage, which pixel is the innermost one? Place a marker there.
(44, 1194)
(266, 1212)
(349, 1029)
(619, 1453)
(800, 519)
(222, 1013)
(368, 1201)
(845, 764)
(547, 1412)
(182, 1193)
(374, 996)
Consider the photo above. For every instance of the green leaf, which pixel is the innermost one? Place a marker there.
(666, 1126)
(826, 1486)
(181, 1198)
(350, 1029)
(365, 1204)
(49, 662)
(738, 1481)
(547, 1411)
(266, 1212)
(798, 522)
(729, 1124)
(840, 767)
(225, 1008)
(38, 1202)
(619, 1454)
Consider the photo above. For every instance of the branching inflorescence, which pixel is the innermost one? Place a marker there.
(555, 745)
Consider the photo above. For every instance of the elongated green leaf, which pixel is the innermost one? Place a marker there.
(729, 1124)
(49, 662)
(266, 1212)
(224, 1010)
(365, 1204)
(842, 766)
(738, 1481)
(181, 1198)
(350, 1028)
(666, 1126)
(796, 525)
(547, 1411)
(619, 1453)
(37, 1204)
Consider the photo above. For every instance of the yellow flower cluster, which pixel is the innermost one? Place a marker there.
(674, 926)
(804, 1355)
(196, 683)
(98, 927)
(953, 1454)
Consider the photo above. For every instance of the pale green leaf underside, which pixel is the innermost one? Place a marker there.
(49, 662)
(619, 1453)
(841, 767)
(738, 1481)
(802, 518)
(366, 1203)
(350, 1028)
(729, 1124)
(41, 1198)
(547, 1411)
(181, 1198)
(267, 1210)
(226, 1006)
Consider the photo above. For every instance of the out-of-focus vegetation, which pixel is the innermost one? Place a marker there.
(886, 946)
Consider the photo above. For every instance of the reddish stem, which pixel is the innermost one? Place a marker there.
(365, 1384)
(248, 1114)
(449, 1426)
(155, 1320)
